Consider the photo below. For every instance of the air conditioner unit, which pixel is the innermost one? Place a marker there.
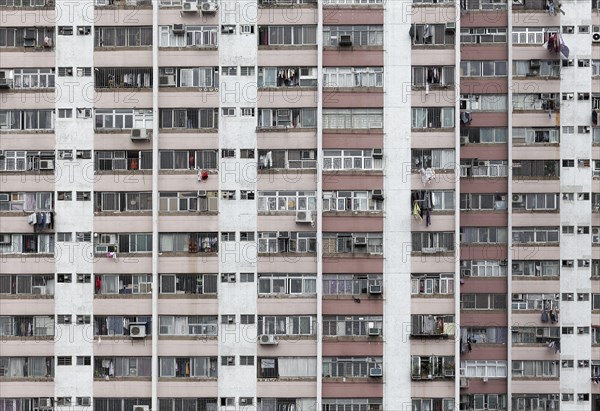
(376, 372)
(307, 155)
(283, 234)
(4, 238)
(374, 332)
(450, 26)
(360, 240)
(375, 289)
(137, 330)
(345, 40)
(140, 134)
(534, 63)
(304, 217)
(517, 297)
(101, 249)
(178, 29)
(38, 289)
(517, 366)
(189, 6)
(465, 272)
(377, 195)
(66, 155)
(46, 164)
(201, 193)
(377, 153)
(267, 339)
(464, 140)
(167, 81)
(208, 6)
(141, 408)
(517, 198)
(596, 37)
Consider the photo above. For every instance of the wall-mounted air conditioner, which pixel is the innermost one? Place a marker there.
(304, 216)
(140, 134)
(267, 339)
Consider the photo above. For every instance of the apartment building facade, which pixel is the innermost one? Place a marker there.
(291, 205)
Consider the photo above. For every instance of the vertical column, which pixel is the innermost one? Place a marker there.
(397, 223)
(236, 133)
(75, 174)
(576, 113)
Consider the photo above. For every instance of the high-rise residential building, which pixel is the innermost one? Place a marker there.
(299, 205)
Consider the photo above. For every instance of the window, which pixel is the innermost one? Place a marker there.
(483, 301)
(84, 360)
(126, 243)
(287, 76)
(83, 236)
(228, 111)
(228, 194)
(227, 153)
(227, 361)
(247, 277)
(189, 201)
(246, 29)
(227, 401)
(533, 35)
(122, 202)
(84, 71)
(357, 326)
(535, 235)
(204, 77)
(63, 278)
(483, 102)
(533, 369)
(287, 35)
(431, 34)
(188, 160)
(63, 319)
(247, 153)
(123, 118)
(432, 117)
(198, 36)
(123, 36)
(189, 242)
(286, 201)
(433, 158)
(362, 201)
(485, 335)
(429, 284)
(188, 325)
(11, 37)
(484, 368)
(484, 268)
(247, 111)
(228, 277)
(363, 243)
(229, 70)
(30, 78)
(342, 404)
(246, 195)
(536, 168)
(482, 35)
(486, 68)
(84, 278)
(442, 404)
(536, 268)
(349, 366)
(26, 120)
(432, 242)
(481, 235)
(83, 196)
(536, 302)
(246, 319)
(84, 30)
(188, 283)
(189, 118)
(287, 118)
(432, 76)
(482, 202)
(568, 163)
(83, 319)
(350, 284)
(287, 367)
(228, 236)
(429, 367)
(535, 102)
(351, 160)
(287, 284)
(535, 135)
(353, 118)
(286, 325)
(64, 360)
(536, 68)
(65, 113)
(63, 237)
(119, 325)
(352, 76)
(287, 242)
(247, 70)
(186, 367)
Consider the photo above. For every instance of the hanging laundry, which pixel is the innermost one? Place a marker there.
(544, 318)
(417, 212)
(32, 219)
